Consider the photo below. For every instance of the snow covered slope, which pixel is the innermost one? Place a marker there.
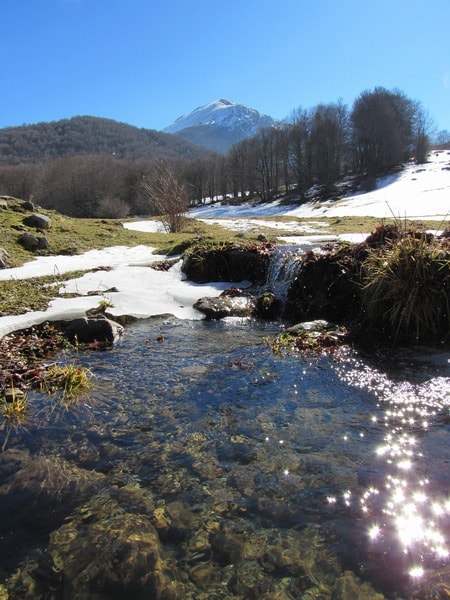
(417, 192)
(219, 124)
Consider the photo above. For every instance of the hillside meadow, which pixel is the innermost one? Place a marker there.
(75, 236)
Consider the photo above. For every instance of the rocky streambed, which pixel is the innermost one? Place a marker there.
(218, 459)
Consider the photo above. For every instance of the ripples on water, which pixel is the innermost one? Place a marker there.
(203, 466)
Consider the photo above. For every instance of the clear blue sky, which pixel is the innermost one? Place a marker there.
(146, 62)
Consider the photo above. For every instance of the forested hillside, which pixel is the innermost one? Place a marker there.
(86, 167)
(89, 135)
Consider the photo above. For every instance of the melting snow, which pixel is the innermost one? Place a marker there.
(418, 192)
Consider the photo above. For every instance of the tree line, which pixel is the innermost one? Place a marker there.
(312, 151)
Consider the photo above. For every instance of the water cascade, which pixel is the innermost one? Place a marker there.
(283, 270)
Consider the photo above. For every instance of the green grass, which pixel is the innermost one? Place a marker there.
(19, 296)
(74, 236)
(67, 235)
(14, 411)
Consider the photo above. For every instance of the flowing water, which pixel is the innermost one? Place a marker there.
(204, 466)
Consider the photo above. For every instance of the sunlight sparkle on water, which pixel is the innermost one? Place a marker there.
(416, 572)
(413, 513)
(419, 497)
(404, 464)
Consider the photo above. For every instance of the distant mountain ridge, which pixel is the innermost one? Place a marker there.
(220, 124)
(89, 135)
(213, 127)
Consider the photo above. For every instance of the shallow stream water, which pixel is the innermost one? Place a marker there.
(204, 466)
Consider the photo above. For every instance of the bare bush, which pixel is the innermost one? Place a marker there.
(167, 195)
(112, 207)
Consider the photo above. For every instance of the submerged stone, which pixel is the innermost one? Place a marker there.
(268, 306)
(106, 550)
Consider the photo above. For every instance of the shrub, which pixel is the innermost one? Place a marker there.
(112, 207)
(406, 287)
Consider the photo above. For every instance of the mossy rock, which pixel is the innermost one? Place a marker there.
(227, 262)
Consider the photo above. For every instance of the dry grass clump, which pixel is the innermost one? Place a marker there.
(14, 408)
(406, 288)
(71, 381)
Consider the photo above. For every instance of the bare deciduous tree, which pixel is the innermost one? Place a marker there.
(300, 158)
(423, 126)
(383, 130)
(74, 185)
(19, 180)
(267, 163)
(167, 195)
(328, 142)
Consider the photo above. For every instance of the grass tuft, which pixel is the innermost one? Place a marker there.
(72, 381)
(14, 409)
(406, 289)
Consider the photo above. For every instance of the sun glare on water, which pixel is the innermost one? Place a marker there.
(408, 512)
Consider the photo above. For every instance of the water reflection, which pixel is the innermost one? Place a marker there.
(409, 509)
(206, 467)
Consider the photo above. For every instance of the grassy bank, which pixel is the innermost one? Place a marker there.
(75, 236)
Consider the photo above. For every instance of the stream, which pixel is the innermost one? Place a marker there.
(204, 466)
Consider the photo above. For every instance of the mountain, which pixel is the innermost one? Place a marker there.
(89, 135)
(219, 124)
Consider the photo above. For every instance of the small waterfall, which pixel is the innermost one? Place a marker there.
(283, 269)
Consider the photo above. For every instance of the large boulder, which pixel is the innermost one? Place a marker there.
(28, 205)
(29, 241)
(43, 242)
(33, 242)
(88, 330)
(38, 221)
(231, 303)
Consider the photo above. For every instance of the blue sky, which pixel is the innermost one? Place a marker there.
(146, 62)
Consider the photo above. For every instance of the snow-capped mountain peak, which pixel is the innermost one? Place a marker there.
(219, 124)
(220, 112)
